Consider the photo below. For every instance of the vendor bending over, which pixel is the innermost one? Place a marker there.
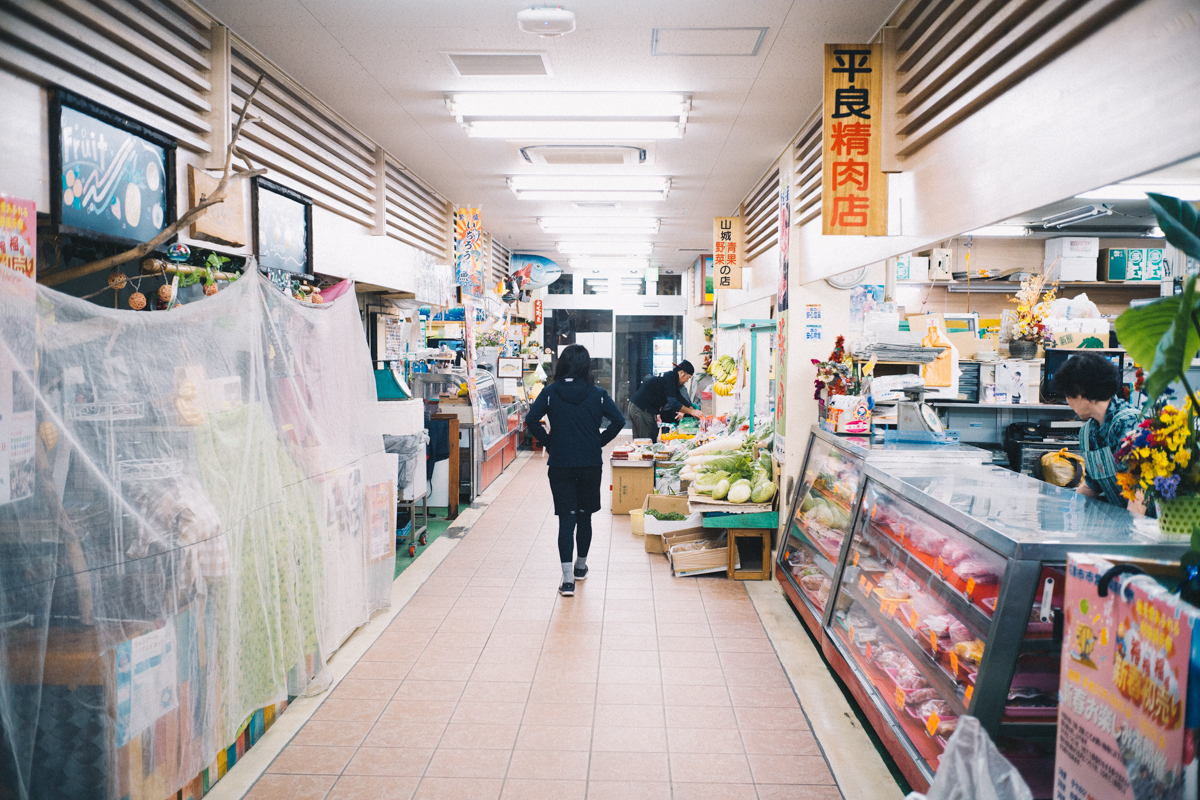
(661, 396)
(1091, 383)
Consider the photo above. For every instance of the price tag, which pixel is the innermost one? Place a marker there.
(901, 533)
(862, 582)
(954, 663)
(941, 567)
(870, 587)
(851, 633)
(970, 586)
(787, 554)
(967, 696)
(933, 642)
(912, 621)
(869, 652)
(874, 508)
(931, 724)
(856, 558)
(899, 698)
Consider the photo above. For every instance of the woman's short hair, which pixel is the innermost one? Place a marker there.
(1088, 375)
(574, 362)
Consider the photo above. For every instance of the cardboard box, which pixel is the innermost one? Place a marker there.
(1137, 270)
(1114, 264)
(697, 562)
(1080, 341)
(1154, 261)
(1074, 269)
(1072, 247)
(631, 484)
(667, 503)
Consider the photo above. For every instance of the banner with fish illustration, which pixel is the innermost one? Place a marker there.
(113, 177)
(1125, 727)
(468, 251)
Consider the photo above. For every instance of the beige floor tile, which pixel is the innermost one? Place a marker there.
(771, 719)
(468, 763)
(632, 694)
(548, 764)
(629, 790)
(781, 743)
(629, 716)
(790, 769)
(628, 767)
(436, 788)
(709, 768)
(291, 787)
(793, 792)
(391, 761)
(429, 690)
(564, 738)
(340, 733)
(622, 740)
(496, 691)
(350, 710)
(574, 714)
(520, 789)
(714, 791)
(404, 734)
(361, 787)
(299, 760)
(701, 717)
(705, 740)
(479, 736)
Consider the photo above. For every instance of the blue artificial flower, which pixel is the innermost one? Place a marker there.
(1167, 486)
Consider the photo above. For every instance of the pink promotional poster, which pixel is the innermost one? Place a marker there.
(1123, 690)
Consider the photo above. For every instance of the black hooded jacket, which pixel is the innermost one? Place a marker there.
(576, 411)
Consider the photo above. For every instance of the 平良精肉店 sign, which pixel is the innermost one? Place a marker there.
(853, 188)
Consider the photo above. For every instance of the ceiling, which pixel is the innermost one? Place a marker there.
(381, 64)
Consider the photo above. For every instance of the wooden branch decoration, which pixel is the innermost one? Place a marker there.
(218, 196)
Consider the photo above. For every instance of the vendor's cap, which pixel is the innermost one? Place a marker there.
(686, 366)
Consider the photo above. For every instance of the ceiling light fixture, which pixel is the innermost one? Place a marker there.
(571, 115)
(562, 130)
(1076, 215)
(999, 230)
(546, 21)
(606, 197)
(611, 188)
(1133, 191)
(599, 225)
(609, 263)
(617, 248)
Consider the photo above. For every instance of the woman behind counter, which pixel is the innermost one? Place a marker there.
(1091, 384)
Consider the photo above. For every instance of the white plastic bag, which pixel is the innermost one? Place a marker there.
(973, 769)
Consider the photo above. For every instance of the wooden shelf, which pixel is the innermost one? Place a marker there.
(984, 286)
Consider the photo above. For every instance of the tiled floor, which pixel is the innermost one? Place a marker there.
(489, 685)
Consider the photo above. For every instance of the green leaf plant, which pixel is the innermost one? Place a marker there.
(1165, 333)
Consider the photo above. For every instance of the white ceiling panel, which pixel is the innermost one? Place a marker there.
(382, 65)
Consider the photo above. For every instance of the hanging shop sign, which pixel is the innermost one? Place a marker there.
(853, 188)
(727, 252)
(224, 223)
(468, 251)
(537, 312)
(282, 227)
(1124, 723)
(781, 329)
(18, 419)
(112, 178)
(532, 271)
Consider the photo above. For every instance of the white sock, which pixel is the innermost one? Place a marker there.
(581, 562)
(568, 573)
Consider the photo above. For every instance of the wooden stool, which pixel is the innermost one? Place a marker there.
(761, 534)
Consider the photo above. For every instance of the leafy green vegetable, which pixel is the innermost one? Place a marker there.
(739, 493)
(720, 490)
(762, 492)
(665, 516)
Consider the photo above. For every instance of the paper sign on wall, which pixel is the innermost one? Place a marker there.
(853, 188)
(727, 252)
(18, 420)
(381, 521)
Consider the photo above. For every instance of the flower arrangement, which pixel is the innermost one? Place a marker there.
(492, 338)
(836, 374)
(1032, 309)
(1158, 456)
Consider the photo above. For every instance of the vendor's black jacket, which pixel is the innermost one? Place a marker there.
(661, 395)
(576, 411)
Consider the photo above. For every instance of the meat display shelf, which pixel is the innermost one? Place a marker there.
(936, 587)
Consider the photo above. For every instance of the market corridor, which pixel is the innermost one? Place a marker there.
(488, 684)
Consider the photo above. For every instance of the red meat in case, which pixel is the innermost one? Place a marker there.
(978, 570)
(918, 696)
(939, 707)
(959, 632)
(909, 677)
(926, 541)
(954, 554)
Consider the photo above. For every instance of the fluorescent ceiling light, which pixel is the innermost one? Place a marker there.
(609, 263)
(570, 130)
(527, 105)
(1134, 191)
(617, 248)
(1075, 215)
(599, 224)
(606, 197)
(999, 230)
(588, 183)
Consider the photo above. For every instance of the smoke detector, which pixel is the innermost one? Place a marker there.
(546, 21)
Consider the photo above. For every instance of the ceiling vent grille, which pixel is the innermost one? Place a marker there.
(586, 206)
(484, 65)
(706, 41)
(592, 155)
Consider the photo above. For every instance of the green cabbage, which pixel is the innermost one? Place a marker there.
(739, 493)
(762, 492)
(720, 490)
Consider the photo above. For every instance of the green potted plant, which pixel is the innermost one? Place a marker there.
(1163, 337)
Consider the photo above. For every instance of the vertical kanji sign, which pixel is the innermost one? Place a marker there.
(727, 252)
(468, 251)
(853, 188)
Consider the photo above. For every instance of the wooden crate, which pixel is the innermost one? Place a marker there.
(733, 568)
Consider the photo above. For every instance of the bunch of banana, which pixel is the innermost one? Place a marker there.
(724, 370)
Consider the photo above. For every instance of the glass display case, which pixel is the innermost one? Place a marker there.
(944, 588)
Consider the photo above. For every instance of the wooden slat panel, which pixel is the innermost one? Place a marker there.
(44, 71)
(404, 234)
(185, 20)
(417, 213)
(105, 25)
(324, 193)
(933, 19)
(418, 201)
(191, 48)
(762, 210)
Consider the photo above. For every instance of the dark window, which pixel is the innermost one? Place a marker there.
(560, 286)
(670, 285)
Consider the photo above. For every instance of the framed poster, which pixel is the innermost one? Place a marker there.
(703, 266)
(282, 226)
(111, 178)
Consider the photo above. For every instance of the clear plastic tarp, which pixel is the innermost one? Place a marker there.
(196, 513)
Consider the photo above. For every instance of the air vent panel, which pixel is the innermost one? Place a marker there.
(585, 206)
(591, 155)
(707, 41)
(498, 65)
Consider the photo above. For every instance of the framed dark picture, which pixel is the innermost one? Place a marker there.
(111, 178)
(282, 223)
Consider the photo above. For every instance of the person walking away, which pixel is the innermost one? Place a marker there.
(576, 407)
(1091, 383)
(661, 396)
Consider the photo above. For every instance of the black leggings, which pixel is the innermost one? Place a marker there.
(567, 525)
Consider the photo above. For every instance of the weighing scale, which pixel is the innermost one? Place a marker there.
(916, 421)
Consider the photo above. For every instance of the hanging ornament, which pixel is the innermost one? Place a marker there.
(117, 280)
(179, 252)
(317, 299)
(210, 289)
(161, 305)
(164, 293)
(299, 296)
(137, 301)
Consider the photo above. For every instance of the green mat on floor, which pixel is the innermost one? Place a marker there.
(437, 526)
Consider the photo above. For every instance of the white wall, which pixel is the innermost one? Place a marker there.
(341, 248)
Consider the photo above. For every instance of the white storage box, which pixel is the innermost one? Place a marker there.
(1075, 269)
(1072, 247)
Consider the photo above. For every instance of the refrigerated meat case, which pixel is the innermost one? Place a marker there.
(924, 585)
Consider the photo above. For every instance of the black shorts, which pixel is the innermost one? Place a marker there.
(575, 489)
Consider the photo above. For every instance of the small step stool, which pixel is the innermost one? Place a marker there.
(760, 534)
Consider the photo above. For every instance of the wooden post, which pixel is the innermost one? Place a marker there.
(452, 490)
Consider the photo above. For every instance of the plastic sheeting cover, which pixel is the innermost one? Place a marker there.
(198, 538)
